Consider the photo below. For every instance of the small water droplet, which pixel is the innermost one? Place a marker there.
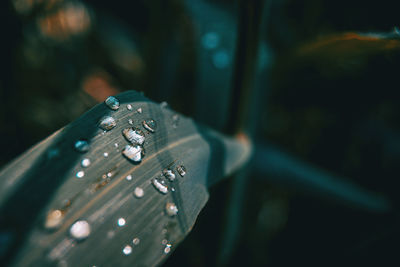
(221, 59)
(175, 120)
(112, 102)
(129, 177)
(171, 209)
(80, 230)
(116, 145)
(105, 154)
(136, 241)
(85, 162)
(164, 104)
(109, 174)
(129, 107)
(80, 174)
(54, 219)
(121, 222)
(127, 250)
(133, 153)
(130, 121)
(169, 174)
(160, 186)
(139, 110)
(150, 125)
(82, 146)
(167, 248)
(139, 192)
(134, 135)
(210, 40)
(107, 123)
(173, 189)
(181, 170)
(164, 241)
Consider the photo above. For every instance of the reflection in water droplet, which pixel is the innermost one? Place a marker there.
(181, 170)
(136, 241)
(133, 153)
(129, 107)
(105, 154)
(129, 177)
(85, 163)
(80, 230)
(82, 146)
(167, 248)
(54, 219)
(80, 174)
(171, 209)
(121, 222)
(134, 135)
(112, 103)
(130, 121)
(159, 186)
(210, 40)
(139, 110)
(150, 125)
(127, 250)
(107, 123)
(139, 192)
(169, 174)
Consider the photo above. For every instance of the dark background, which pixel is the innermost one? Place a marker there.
(324, 90)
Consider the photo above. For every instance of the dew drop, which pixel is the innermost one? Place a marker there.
(82, 146)
(129, 177)
(107, 123)
(127, 250)
(139, 110)
(171, 209)
(169, 174)
(159, 186)
(54, 219)
(80, 174)
(139, 192)
(150, 125)
(130, 121)
(134, 135)
(116, 145)
(129, 107)
(133, 153)
(85, 162)
(167, 248)
(136, 241)
(181, 170)
(80, 230)
(164, 104)
(105, 154)
(112, 102)
(121, 222)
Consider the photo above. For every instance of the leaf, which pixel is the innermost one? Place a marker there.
(41, 187)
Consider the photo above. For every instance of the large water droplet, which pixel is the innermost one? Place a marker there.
(80, 230)
(54, 219)
(112, 102)
(139, 192)
(121, 222)
(80, 174)
(150, 125)
(167, 248)
(160, 186)
(107, 123)
(133, 153)
(134, 135)
(85, 162)
(171, 209)
(81, 146)
(169, 174)
(181, 170)
(127, 250)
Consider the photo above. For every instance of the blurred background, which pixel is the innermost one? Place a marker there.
(313, 82)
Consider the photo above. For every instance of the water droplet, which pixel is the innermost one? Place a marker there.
(109, 174)
(112, 103)
(121, 222)
(175, 120)
(221, 59)
(107, 123)
(82, 146)
(164, 241)
(54, 219)
(130, 121)
(171, 209)
(150, 125)
(80, 230)
(181, 170)
(85, 162)
(129, 177)
(210, 40)
(134, 135)
(139, 192)
(169, 174)
(139, 110)
(133, 153)
(116, 145)
(167, 248)
(127, 250)
(129, 107)
(105, 154)
(136, 241)
(159, 186)
(80, 174)
(164, 104)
